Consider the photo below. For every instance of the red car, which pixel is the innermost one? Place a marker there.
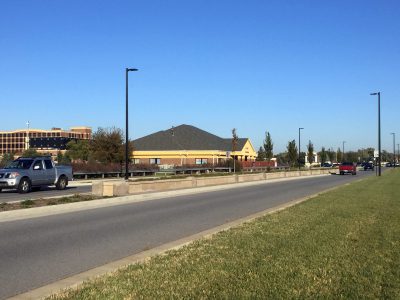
(347, 168)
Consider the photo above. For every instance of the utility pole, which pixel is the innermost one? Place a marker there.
(126, 123)
(394, 149)
(398, 148)
(379, 131)
(343, 151)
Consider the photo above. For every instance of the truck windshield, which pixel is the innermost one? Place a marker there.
(20, 164)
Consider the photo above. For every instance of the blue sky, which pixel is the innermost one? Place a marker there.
(217, 65)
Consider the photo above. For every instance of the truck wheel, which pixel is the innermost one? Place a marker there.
(0, 190)
(62, 183)
(24, 186)
(341, 173)
(354, 173)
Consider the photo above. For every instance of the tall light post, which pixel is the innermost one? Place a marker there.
(127, 70)
(343, 151)
(379, 130)
(398, 150)
(394, 149)
(27, 137)
(300, 128)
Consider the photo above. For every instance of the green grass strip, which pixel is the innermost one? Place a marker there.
(342, 244)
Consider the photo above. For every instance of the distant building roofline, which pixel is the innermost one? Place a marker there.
(46, 130)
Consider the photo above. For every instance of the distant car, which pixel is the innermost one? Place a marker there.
(347, 168)
(368, 166)
(326, 165)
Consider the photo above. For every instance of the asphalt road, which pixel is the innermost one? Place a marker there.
(44, 192)
(35, 252)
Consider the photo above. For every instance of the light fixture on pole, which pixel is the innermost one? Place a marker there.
(300, 128)
(394, 149)
(127, 70)
(379, 130)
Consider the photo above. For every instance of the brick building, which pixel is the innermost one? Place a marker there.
(49, 141)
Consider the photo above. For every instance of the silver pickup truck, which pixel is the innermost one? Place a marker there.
(26, 172)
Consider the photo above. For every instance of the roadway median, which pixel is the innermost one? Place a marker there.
(123, 188)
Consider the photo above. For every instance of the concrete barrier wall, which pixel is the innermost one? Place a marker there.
(251, 177)
(121, 188)
(158, 186)
(207, 181)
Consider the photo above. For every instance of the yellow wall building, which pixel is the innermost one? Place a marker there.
(188, 145)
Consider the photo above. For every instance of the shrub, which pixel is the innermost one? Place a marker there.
(27, 203)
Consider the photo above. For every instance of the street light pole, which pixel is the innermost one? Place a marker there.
(300, 128)
(398, 150)
(379, 130)
(27, 141)
(126, 122)
(343, 151)
(394, 149)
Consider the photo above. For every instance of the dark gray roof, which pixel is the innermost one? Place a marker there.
(185, 137)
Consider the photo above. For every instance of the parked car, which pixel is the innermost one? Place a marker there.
(326, 165)
(26, 172)
(347, 168)
(368, 166)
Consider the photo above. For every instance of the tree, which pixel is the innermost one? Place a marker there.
(268, 146)
(339, 155)
(323, 155)
(386, 156)
(292, 153)
(63, 159)
(310, 152)
(281, 158)
(108, 145)
(78, 150)
(260, 154)
(31, 152)
(370, 152)
(352, 156)
(6, 159)
(331, 155)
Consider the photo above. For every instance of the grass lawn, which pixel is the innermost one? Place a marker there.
(342, 244)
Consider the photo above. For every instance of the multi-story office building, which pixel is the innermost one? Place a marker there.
(50, 141)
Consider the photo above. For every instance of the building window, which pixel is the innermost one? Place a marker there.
(136, 161)
(201, 161)
(155, 161)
